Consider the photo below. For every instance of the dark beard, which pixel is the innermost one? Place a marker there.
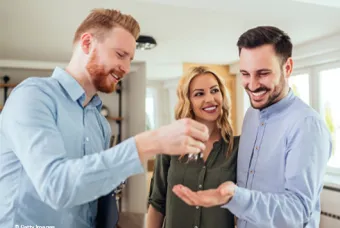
(274, 97)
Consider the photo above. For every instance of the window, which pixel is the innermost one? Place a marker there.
(330, 109)
(300, 86)
(150, 109)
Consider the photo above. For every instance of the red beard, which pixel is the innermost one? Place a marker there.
(100, 77)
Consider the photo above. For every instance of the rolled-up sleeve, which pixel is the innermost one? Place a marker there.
(157, 196)
(30, 128)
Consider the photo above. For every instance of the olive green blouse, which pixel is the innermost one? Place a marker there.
(197, 175)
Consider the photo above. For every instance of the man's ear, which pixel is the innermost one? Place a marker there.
(288, 67)
(86, 42)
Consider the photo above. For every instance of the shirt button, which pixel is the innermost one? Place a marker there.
(197, 207)
(200, 186)
(196, 227)
(87, 139)
(251, 171)
(257, 148)
(203, 167)
(262, 124)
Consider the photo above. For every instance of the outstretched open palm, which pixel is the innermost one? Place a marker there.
(206, 198)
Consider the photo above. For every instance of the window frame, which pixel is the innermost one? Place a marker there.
(152, 93)
(301, 72)
(316, 77)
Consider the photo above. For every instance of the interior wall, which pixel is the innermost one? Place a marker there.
(135, 195)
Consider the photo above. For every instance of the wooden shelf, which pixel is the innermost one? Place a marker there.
(115, 118)
(9, 85)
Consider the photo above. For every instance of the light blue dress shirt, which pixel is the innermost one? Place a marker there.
(54, 157)
(283, 154)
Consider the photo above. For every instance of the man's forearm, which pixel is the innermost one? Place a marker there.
(269, 209)
(147, 144)
(78, 181)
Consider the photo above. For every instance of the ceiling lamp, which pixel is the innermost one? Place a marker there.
(146, 42)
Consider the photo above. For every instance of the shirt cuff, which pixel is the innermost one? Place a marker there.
(239, 202)
(137, 164)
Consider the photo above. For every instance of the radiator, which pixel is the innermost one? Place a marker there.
(330, 207)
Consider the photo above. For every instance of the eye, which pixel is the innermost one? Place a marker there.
(264, 73)
(120, 55)
(198, 94)
(215, 90)
(245, 74)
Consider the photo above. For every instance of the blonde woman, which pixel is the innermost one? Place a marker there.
(202, 96)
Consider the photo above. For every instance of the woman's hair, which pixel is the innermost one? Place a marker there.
(183, 106)
(101, 20)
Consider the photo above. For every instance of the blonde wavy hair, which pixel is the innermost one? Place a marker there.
(183, 106)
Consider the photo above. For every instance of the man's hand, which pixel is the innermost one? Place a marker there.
(206, 198)
(185, 136)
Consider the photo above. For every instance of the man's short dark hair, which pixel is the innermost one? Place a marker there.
(262, 35)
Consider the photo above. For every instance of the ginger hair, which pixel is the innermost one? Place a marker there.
(100, 21)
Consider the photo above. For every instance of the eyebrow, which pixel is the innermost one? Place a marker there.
(203, 89)
(257, 71)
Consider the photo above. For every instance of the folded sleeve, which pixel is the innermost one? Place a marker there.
(157, 196)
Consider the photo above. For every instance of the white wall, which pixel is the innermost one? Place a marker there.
(135, 195)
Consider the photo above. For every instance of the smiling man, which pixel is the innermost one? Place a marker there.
(284, 146)
(54, 143)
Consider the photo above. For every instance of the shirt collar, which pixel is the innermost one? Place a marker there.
(73, 88)
(279, 106)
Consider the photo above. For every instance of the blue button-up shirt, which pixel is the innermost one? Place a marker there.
(283, 154)
(54, 157)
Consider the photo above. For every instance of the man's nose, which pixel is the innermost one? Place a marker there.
(253, 84)
(124, 68)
